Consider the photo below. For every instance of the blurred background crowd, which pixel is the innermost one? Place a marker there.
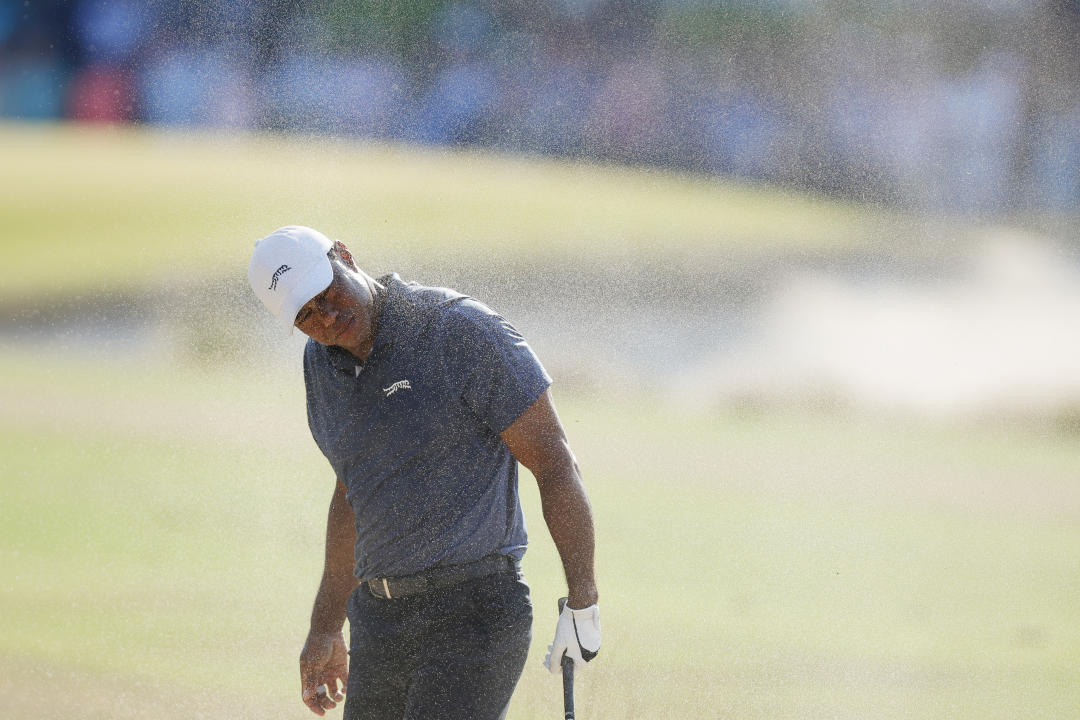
(958, 105)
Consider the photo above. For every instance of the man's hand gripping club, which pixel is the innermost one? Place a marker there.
(577, 635)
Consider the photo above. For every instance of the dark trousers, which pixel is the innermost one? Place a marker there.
(454, 653)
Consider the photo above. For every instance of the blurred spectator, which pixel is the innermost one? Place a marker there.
(461, 31)
(9, 20)
(451, 110)
(744, 134)
(188, 87)
(101, 94)
(309, 92)
(560, 93)
(32, 88)
(982, 109)
(110, 32)
(628, 119)
(1057, 163)
(462, 91)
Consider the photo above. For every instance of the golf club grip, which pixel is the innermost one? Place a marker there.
(568, 688)
(567, 678)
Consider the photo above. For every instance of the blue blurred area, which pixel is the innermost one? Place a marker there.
(960, 105)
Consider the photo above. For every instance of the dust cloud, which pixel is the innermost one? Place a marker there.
(996, 337)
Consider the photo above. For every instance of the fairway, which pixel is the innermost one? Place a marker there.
(162, 504)
(779, 565)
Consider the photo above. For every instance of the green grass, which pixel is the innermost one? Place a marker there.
(162, 527)
(161, 517)
(87, 209)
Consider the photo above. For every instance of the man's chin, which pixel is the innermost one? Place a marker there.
(345, 336)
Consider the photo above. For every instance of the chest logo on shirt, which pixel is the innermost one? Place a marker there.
(399, 385)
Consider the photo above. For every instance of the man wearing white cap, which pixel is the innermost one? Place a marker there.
(424, 400)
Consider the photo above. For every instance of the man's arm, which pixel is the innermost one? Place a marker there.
(538, 442)
(324, 659)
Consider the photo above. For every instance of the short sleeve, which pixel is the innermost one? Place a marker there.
(489, 365)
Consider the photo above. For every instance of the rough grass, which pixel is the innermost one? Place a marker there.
(778, 565)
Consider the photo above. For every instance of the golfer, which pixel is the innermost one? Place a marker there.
(424, 400)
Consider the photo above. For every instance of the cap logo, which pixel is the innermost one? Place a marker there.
(278, 273)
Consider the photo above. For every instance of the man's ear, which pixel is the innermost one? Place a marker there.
(345, 255)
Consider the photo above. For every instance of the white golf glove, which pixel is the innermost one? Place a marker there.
(578, 635)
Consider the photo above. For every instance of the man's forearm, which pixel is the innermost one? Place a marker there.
(569, 519)
(538, 442)
(338, 581)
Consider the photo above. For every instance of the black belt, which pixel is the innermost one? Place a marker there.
(389, 588)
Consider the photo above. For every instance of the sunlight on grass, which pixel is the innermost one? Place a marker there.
(86, 208)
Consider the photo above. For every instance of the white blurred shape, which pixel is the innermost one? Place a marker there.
(1000, 338)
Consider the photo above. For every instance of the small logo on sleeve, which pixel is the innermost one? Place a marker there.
(399, 385)
(278, 273)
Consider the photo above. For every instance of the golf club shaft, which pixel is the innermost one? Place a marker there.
(567, 678)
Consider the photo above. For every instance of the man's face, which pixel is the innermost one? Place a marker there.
(340, 314)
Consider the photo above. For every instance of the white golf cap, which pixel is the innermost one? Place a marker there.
(288, 268)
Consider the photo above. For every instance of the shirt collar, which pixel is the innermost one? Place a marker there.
(389, 312)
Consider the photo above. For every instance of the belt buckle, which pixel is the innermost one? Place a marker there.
(380, 588)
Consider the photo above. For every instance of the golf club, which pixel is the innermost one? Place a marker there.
(567, 678)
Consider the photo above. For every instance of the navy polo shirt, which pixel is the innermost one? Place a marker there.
(413, 433)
